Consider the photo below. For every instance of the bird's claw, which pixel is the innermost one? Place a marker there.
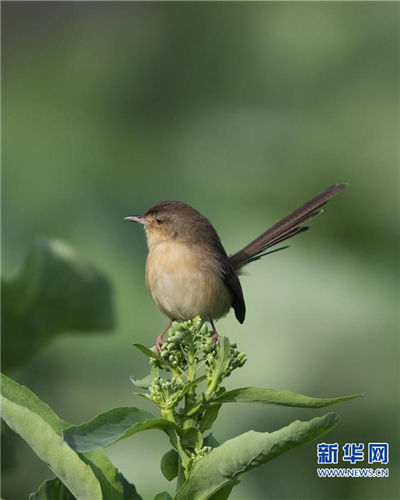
(159, 340)
(215, 338)
(159, 343)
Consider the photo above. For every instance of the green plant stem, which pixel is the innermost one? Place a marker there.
(211, 388)
(168, 413)
(181, 475)
(189, 422)
(192, 367)
(189, 398)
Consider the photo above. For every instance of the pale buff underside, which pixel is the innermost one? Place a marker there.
(182, 286)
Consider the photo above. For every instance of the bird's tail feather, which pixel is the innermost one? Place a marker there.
(286, 228)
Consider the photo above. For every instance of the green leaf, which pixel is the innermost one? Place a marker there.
(52, 489)
(277, 397)
(183, 456)
(110, 427)
(222, 359)
(151, 354)
(193, 383)
(87, 476)
(209, 417)
(50, 447)
(223, 493)
(145, 382)
(210, 440)
(114, 486)
(117, 424)
(245, 452)
(163, 496)
(190, 437)
(22, 396)
(55, 291)
(169, 464)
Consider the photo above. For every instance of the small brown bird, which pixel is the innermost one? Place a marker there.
(188, 272)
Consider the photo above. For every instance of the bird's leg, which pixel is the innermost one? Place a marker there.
(159, 339)
(215, 337)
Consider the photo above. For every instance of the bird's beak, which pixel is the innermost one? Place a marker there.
(136, 218)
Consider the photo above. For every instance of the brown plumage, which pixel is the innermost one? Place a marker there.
(286, 228)
(188, 272)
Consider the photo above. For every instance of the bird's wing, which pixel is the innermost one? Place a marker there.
(233, 283)
(231, 280)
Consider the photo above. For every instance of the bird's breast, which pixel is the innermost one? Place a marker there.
(186, 281)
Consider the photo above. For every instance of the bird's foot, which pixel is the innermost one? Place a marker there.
(159, 343)
(215, 338)
(159, 340)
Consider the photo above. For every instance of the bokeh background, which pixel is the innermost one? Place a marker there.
(243, 110)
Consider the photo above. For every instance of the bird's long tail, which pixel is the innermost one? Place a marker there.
(286, 228)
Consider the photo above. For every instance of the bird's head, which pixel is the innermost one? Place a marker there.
(172, 220)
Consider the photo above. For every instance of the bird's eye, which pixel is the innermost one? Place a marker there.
(159, 220)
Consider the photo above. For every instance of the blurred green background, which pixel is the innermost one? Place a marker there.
(243, 110)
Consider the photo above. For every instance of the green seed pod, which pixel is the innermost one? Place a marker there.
(204, 329)
(197, 321)
(242, 358)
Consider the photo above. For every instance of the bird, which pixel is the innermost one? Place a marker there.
(189, 273)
